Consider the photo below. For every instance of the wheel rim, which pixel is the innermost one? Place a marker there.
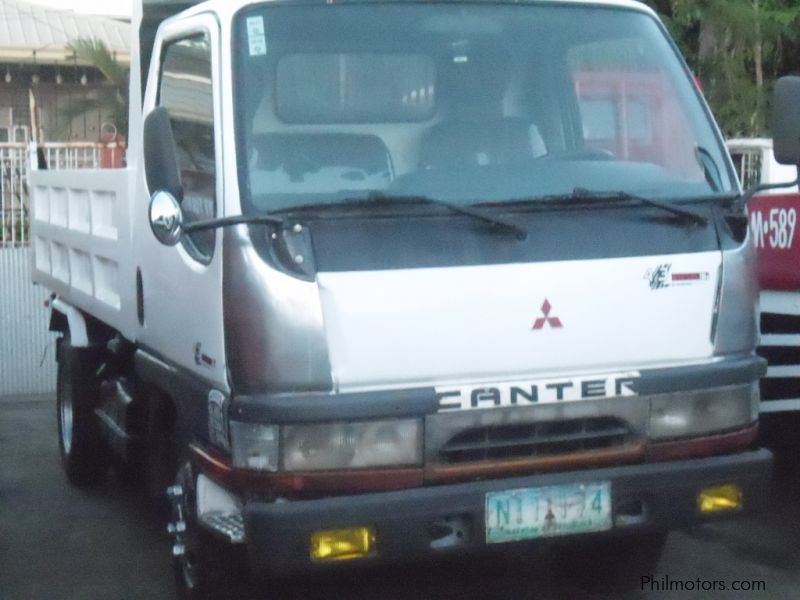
(183, 507)
(65, 416)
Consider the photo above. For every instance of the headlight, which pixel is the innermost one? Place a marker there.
(254, 446)
(698, 413)
(351, 445)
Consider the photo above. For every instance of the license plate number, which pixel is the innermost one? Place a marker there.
(547, 511)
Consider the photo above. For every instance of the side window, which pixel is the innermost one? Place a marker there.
(186, 91)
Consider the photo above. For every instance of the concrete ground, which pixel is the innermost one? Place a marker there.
(58, 542)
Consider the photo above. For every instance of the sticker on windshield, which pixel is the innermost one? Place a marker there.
(256, 38)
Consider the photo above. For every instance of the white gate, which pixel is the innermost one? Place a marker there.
(13, 195)
(27, 364)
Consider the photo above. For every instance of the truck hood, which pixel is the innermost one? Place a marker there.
(436, 326)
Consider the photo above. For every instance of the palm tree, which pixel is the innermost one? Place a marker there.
(111, 100)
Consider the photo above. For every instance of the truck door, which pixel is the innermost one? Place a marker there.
(180, 287)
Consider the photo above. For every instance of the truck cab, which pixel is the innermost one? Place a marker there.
(398, 281)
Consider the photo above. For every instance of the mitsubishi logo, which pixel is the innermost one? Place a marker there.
(554, 322)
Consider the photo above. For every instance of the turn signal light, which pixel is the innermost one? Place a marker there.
(342, 544)
(720, 498)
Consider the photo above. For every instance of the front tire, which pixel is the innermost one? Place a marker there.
(84, 455)
(205, 567)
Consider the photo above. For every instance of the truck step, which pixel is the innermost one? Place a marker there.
(229, 526)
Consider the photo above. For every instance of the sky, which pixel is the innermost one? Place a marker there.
(99, 7)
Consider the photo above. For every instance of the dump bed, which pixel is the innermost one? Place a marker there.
(81, 235)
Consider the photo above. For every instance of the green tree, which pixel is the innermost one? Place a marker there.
(737, 48)
(111, 99)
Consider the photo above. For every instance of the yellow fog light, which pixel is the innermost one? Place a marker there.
(341, 544)
(719, 498)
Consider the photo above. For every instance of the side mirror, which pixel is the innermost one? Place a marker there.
(166, 218)
(160, 160)
(786, 120)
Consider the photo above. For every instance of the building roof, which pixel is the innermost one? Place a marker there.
(26, 27)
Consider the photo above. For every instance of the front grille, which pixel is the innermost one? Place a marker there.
(536, 440)
(779, 323)
(780, 345)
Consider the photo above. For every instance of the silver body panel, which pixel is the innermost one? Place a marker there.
(273, 323)
(737, 324)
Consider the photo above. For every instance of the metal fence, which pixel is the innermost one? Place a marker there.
(73, 155)
(27, 364)
(747, 162)
(13, 195)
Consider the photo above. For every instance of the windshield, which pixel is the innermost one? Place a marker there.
(465, 103)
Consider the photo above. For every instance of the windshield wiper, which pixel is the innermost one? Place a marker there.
(375, 199)
(633, 198)
(581, 195)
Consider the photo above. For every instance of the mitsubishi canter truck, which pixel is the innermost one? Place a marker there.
(393, 281)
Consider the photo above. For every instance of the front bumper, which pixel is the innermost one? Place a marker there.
(409, 523)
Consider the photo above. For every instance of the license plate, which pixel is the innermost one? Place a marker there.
(547, 511)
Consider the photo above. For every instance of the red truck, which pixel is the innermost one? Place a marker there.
(774, 226)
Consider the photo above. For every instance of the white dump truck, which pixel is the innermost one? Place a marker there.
(396, 281)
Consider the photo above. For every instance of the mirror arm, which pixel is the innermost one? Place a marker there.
(228, 221)
(741, 202)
